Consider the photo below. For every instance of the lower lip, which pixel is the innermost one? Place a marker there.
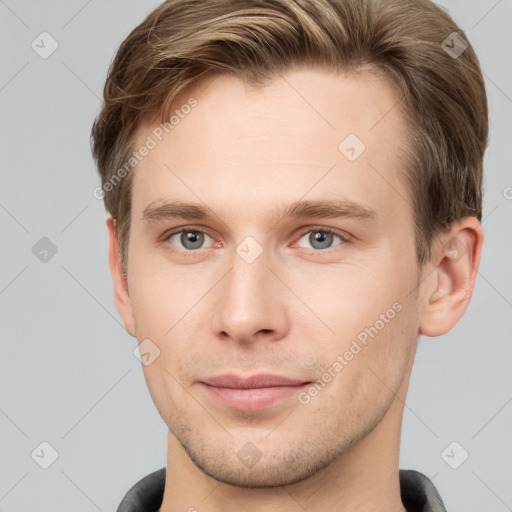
(252, 399)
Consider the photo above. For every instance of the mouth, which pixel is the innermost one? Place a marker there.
(251, 393)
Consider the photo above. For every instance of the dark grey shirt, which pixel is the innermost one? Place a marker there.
(417, 492)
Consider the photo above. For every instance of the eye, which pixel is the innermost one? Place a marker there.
(190, 239)
(322, 238)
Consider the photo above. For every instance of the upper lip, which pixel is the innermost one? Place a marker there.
(254, 381)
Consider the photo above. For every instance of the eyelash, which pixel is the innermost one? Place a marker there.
(189, 252)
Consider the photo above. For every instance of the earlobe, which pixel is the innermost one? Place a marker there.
(121, 294)
(449, 285)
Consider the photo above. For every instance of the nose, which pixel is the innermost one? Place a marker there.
(252, 303)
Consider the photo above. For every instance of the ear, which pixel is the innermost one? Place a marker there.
(121, 296)
(451, 276)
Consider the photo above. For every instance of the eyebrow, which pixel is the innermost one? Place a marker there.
(328, 209)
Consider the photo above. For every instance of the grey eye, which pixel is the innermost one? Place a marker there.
(189, 239)
(320, 239)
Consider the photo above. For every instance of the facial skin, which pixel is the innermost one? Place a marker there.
(243, 153)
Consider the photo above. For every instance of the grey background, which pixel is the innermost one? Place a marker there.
(68, 375)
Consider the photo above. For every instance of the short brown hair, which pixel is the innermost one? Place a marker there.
(443, 98)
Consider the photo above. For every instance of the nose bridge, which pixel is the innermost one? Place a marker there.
(248, 284)
(249, 299)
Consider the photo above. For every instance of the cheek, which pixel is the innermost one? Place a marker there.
(369, 367)
(369, 320)
(170, 309)
(348, 298)
(164, 378)
(163, 297)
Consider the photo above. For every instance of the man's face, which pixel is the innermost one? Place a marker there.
(262, 293)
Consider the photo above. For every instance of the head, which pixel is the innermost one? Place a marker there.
(252, 120)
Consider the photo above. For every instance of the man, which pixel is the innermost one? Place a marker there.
(294, 197)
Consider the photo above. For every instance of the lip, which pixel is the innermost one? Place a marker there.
(251, 393)
(262, 380)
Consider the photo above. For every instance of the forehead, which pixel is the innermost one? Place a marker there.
(308, 131)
